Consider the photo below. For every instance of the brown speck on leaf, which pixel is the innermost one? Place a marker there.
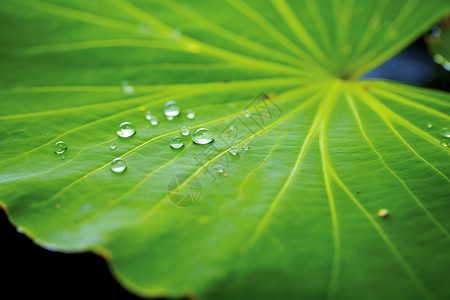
(366, 88)
(225, 175)
(358, 191)
(58, 205)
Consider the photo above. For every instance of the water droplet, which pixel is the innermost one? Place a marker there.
(176, 142)
(126, 129)
(435, 32)
(446, 66)
(445, 132)
(113, 146)
(170, 118)
(118, 165)
(444, 143)
(233, 150)
(154, 120)
(127, 89)
(383, 212)
(202, 136)
(429, 125)
(148, 115)
(219, 169)
(438, 59)
(185, 131)
(246, 147)
(60, 147)
(19, 229)
(190, 114)
(246, 113)
(63, 157)
(171, 109)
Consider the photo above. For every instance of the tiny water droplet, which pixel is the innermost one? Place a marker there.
(126, 129)
(148, 115)
(185, 131)
(444, 143)
(445, 132)
(246, 147)
(190, 114)
(170, 118)
(118, 165)
(438, 58)
(63, 157)
(446, 66)
(127, 89)
(383, 212)
(429, 125)
(219, 169)
(246, 113)
(176, 142)
(19, 229)
(202, 136)
(171, 109)
(233, 150)
(154, 120)
(60, 147)
(113, 146)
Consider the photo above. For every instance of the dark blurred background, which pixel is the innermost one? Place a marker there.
(28, 270)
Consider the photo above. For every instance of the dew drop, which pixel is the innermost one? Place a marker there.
(202, 136)
(60, 147)
(444, 143)
(190, 114)
(127, 89)
(438, 58)
(19, 229)
(176, 142)
(246, 147)
(126, 129)
(118, 165)
(233, 150)
(383, 212)
(63, 157)
(446, 66)
(170, 118)
(148, 115)
(171, 109)
(435, 32)
(429, 125)
(219, 169)
(445, 132)
(154, 120)
(113, 146)
(246, 113)
(185, 131)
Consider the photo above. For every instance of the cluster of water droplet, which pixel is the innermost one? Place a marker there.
(444, 133)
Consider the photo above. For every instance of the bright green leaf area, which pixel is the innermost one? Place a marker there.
(295, 216)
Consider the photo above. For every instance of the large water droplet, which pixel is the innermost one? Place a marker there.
(113, 146)
(126, 129)
(233, 150)
(148, 115)
(176, 142)
(60, 147)
(202, 136)
(445, 132)
(118, 165)
(185, 131)
(171, 109)
(154, 120)
(190, 114)
(246, 147)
